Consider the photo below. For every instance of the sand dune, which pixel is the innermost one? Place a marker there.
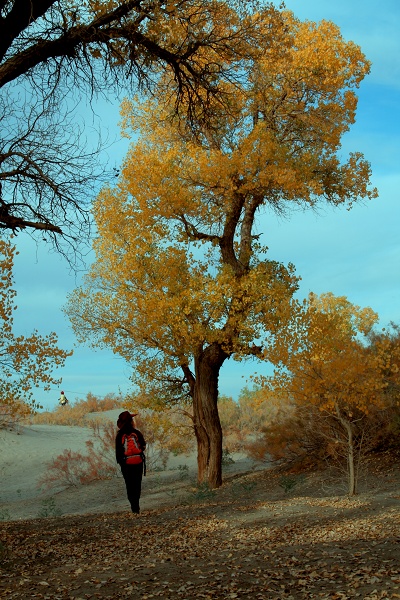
(25, 453)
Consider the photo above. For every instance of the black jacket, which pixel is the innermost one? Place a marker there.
(119, 447)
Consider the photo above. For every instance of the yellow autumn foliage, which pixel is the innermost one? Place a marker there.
(176, 251)
(329, 361)
(181, 281)
(26, 362)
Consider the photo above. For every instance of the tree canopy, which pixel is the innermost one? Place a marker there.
(53, 52)
(181, 280)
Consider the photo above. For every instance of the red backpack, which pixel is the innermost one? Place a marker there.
(132, 449)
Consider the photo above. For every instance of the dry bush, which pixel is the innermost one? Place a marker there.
(12, 416)
(163, 434)
(230, 417)
(75, 468)
(166, 433)
(386, 433)
(70, 469)
(304, 436)
(74, 414)
(298, 436)
(62, 415)
(244, 421)
(93, 404)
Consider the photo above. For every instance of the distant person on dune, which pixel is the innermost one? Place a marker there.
(63, 399)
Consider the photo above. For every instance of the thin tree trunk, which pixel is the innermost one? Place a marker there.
(350, 452)
(352, 476)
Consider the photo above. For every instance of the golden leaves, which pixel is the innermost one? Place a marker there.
(25, 361)
(330, 364)
(271, 547)
(177, 263)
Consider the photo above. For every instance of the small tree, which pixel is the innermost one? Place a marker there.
(329, 366)
(25, 362)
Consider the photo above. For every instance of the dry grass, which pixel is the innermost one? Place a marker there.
(75, 414)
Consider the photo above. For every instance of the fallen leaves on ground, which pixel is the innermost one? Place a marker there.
(298, 548)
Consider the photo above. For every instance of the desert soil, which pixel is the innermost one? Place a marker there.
(252, 538)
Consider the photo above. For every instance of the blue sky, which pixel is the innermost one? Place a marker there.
(356, 253)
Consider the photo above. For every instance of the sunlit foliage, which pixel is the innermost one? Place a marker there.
(181, 280)
(26, 362)
(335, 378)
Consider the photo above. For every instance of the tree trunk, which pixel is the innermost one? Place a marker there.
(350, 452)
(203, 444)
(350, 459)
(207, 424)
(352, 478)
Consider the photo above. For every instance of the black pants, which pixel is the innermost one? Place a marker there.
(133, 481)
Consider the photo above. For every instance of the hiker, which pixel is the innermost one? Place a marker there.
(129, 451)
(63, 399)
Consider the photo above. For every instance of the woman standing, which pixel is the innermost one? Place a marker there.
(129, 450)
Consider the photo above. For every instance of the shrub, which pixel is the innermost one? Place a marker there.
(304, 436)
(202, 493)
(183, 472)
(288, 483)
(73, 414)
(49, 509)
(74, 468)
(227, 459)
(243, 421)
(4, 515)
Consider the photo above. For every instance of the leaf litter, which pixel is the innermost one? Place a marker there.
(262, 546)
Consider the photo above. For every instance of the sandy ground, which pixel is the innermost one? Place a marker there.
(250, 539)
(26, 452)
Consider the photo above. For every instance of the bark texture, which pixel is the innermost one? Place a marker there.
(207, 423)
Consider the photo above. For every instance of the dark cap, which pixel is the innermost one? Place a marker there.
(124, 418)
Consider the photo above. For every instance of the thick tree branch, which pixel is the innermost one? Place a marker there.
(195, 234)
(102, 30)
(22, 14)
(226, 242)
(8, 221)
(190, 378)
(49, 47)
(246, 230)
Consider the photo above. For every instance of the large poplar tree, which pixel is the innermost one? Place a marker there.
(181, 281)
